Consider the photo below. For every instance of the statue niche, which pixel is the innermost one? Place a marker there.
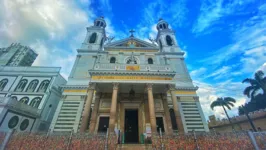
(93, 38)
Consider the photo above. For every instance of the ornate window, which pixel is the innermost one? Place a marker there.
(14, 98)
(169, 40)
(93, 38)
(21, 85)
(24, 100)
(43, 86)
(35, 102)
(12, 123)
(3, 84)
(150, 61)
(32, 86)
(24, 124)
(112, 60)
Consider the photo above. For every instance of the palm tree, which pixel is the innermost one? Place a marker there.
(259, 82)
(224, 102)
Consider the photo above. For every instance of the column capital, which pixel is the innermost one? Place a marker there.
(92, 86)
(149, 86)
(115, 86)
(171, 87)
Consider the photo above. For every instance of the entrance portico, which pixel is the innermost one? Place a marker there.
(120, 101)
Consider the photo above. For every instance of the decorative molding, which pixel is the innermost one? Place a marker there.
(115, 86)
(196, 98)
(74, 87)
(94, 72)
(149, 86)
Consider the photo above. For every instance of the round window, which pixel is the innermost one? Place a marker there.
(24, 124)
(13, 122)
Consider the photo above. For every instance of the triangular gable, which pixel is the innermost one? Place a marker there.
(131, 42)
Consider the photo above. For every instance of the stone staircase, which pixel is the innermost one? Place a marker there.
(134, 147)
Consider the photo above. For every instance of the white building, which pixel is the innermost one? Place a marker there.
(29, 97)
(129, 85)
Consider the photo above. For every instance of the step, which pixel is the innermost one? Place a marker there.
(134, 147)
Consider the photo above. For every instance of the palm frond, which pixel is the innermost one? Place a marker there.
(226, 105)
(248, 90)
(215, 104)
(254, 92)
(251, 81)
(231, 104)
(229, 99)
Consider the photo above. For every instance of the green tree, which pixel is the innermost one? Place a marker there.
(259, 82)
(227, 102)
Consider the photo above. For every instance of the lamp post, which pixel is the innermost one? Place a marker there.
(250, 121)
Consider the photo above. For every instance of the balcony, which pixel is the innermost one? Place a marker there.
(17, 106)
(132, 67)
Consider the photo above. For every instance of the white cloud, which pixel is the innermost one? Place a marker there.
(209, 93)
(55, 29)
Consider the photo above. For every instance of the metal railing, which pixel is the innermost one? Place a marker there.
(123, 67)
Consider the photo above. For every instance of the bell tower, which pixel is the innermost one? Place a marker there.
(166, 37)
(95, 36)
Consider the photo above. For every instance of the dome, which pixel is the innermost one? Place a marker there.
(162, 24)
(100, 22)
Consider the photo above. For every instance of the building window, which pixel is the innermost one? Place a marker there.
(32, 86)
(14, 98)
(93, 38)
(21, 85)
(24, 100)
(150, 61)
(12, 123)
(3, 84)
(173, 119)
(24, 124)
(112, 60)
(160, 44)
(43, 86)
(35, 102)
(169, 40)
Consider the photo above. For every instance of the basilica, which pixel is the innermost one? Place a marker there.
(129, 86)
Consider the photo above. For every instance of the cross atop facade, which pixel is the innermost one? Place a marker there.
(132, 31)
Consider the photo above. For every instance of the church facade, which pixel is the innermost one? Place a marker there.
(130, 85)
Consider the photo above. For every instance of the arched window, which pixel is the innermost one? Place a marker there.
(93, 38)
(98, 23)
(32, 86)
(14, 98)
(43, 86)
(24, 100)
(164, 26)
(169, 40)
(112, 60)
(161, 26)
(173, 120)
(35, 102)
(3, 84)
(21, 85)
(150, 61)
(160, 44)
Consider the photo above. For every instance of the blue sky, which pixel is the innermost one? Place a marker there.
(224, 40)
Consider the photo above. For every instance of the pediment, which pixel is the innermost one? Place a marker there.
(131, 42)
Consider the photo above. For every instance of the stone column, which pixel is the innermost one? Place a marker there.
(176, 110)
(113, 108)
(169, 129)
(95, 112)
(151, 108)
(87, 108)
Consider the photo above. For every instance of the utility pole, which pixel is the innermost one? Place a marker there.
(250, 121)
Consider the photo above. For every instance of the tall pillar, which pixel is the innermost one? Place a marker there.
(87, 108)
(113, 108)
(169, 129)
(95, 112)
(151, 108)
(176, 110)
